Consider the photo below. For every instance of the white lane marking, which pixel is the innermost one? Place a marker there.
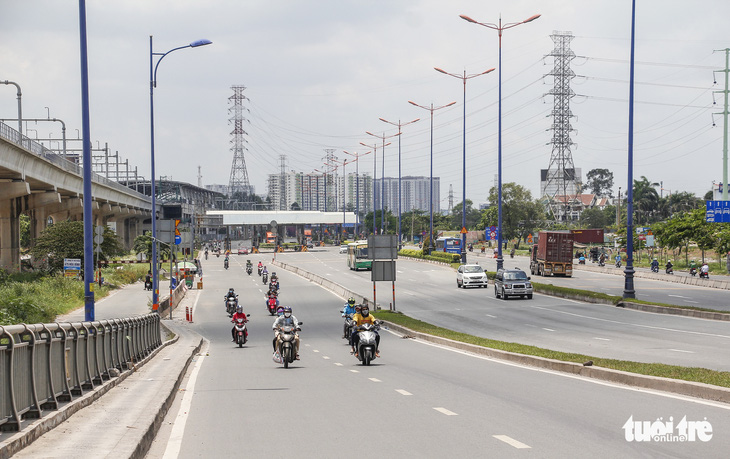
(680, 350)
(315, 350)
(633, 325)
(581, 378)
(603, 339)
(444, 411)
(374, 379)
(489, 315)
(354, 371)
(694, 302)
(195, 304)
(178, 428)
(409, 293)
(679, 296)
(403, 392)
(307, 345)
(548, 329)
(325, 357)
(511, 441)
(338, 364)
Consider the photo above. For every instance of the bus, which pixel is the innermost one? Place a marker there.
(357, 256)
(448, 244)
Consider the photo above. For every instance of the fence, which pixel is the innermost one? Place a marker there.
(44, 364)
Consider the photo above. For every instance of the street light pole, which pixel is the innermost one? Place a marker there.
(463, 178)
(430, 204)
(357, 186)
(153, 85)
(499, 28)
(629, 292)
(382, 175)
(375, 170)
(400, 125)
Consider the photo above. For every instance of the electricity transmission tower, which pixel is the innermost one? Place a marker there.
(239, 176)
(451, 197)
(560, 177)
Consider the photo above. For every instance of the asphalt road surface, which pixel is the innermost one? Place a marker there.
(418, 400)
(428, 292)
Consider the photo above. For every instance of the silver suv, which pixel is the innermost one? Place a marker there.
(512, 282)
(468, 275)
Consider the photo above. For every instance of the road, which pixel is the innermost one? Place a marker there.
(428, 292)
(418, 400)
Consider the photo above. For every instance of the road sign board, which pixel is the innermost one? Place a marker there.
(99, 230)
(383, 247)
(98, 239)
(383, 271)
(463, 230)
(178, 239)
(72, 263)
(717, 211)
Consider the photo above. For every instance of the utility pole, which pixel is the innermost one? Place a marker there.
(724, 114)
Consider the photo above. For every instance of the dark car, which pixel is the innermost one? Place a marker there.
(512, 282)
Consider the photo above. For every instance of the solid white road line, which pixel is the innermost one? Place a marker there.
(680, 350)
(445, 411)
(403, 392)
(679, 296)
(511, 441)
(178, 429)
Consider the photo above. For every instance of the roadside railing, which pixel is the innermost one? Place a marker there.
(42, 365)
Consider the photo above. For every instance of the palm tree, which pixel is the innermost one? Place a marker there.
(646, 199)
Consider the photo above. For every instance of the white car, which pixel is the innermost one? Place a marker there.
(343, 248)
(468, 275)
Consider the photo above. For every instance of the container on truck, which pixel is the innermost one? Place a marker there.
(553, 254)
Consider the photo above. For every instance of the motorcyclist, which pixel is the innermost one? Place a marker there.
(705, 270)
(287, 318)
(348, 310)
(265, 271)
(602, 259)
(260, 267)
(363, 317)
(274, 277)
(148, 280)
(206, 253)
(618, 259)
(238, 315)
(230, 294)
(669, 266)
(655, 265)
(249, 264)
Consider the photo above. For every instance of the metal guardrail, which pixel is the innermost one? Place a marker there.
(44, 364)
(12, 135)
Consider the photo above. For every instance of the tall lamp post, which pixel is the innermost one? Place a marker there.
(153, 85)
(629, 291)
(357, 186)
(499, 28)
(400, 125)
(375, 173)
(430, 199)
(463, 177)
(382, 177)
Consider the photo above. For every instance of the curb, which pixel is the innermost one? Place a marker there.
(675, 386)
(688, 388)
(35, 430)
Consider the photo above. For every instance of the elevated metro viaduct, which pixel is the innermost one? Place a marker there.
(254, 224)
(49, 188)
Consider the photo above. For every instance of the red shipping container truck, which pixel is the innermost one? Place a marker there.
(553, 254)
(588, 236)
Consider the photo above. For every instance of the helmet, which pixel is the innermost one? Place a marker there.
(654, 258)
(230, 290)
(239, 309)
(365, 311)
(280, 311)
(273, 273)
(358, 308)
(287, 312)
(351, 301)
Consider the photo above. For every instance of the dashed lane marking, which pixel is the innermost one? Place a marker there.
(511, 441)
(338, 364)
(445, 411)
(374, 379)
(325, 357)
(354, 371)
(315, 350)
(602, 339)
(403, 392)
(680, 350)
(548, 329)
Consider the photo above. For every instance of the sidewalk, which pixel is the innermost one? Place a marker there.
(130, 300)
(123, 422)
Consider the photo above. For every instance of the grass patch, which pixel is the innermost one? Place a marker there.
(36, 298)
(694, 374)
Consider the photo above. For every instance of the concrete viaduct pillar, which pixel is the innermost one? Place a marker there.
(11, 206)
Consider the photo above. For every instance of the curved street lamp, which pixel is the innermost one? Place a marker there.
(499, 28)
(375, 174)
(400, 125)
(430, 199)
(153, 85)
(357, 187)
(382, 175)
(463, 178)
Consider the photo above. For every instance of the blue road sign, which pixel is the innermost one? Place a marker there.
(178, 240)
(717, 211)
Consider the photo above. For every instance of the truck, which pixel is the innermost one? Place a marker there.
(553, 254)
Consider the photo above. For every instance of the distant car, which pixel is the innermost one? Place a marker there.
(343, 248)
(242, 251)
(468, 275)
(512, 282)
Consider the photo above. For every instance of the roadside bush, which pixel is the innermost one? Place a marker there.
(443, 257)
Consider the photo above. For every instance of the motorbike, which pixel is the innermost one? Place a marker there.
(274, 285)
(471, 248)
(582, 260)
(148, 284)
(655, 269)
(512, 253)
(669, 270)
(265, 278)
(271, 304)
(704, 275)
(601, 263)
(217, 254)
(206, 254)
(260, 271)
(484, 250)
(249, 269)
(693, 272)
(225, 263)
(618, 263)
(367, 342)
(241, 331)
(231, 304)
(286, 344)
(347, 327)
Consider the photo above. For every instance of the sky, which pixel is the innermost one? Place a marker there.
(319, 74)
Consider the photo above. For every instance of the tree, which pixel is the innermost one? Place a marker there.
(646, 199)
(295, 206)
(600, 182)
(472, 215)
(66, 240)
(143, 244)
(594, 218)
(520, 214)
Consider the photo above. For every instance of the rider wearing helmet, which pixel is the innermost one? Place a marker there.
(363, 317)
(230, 294)
(349, 308)
(655, 265)
(274, 276)
(238, 315)
(286, 319)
